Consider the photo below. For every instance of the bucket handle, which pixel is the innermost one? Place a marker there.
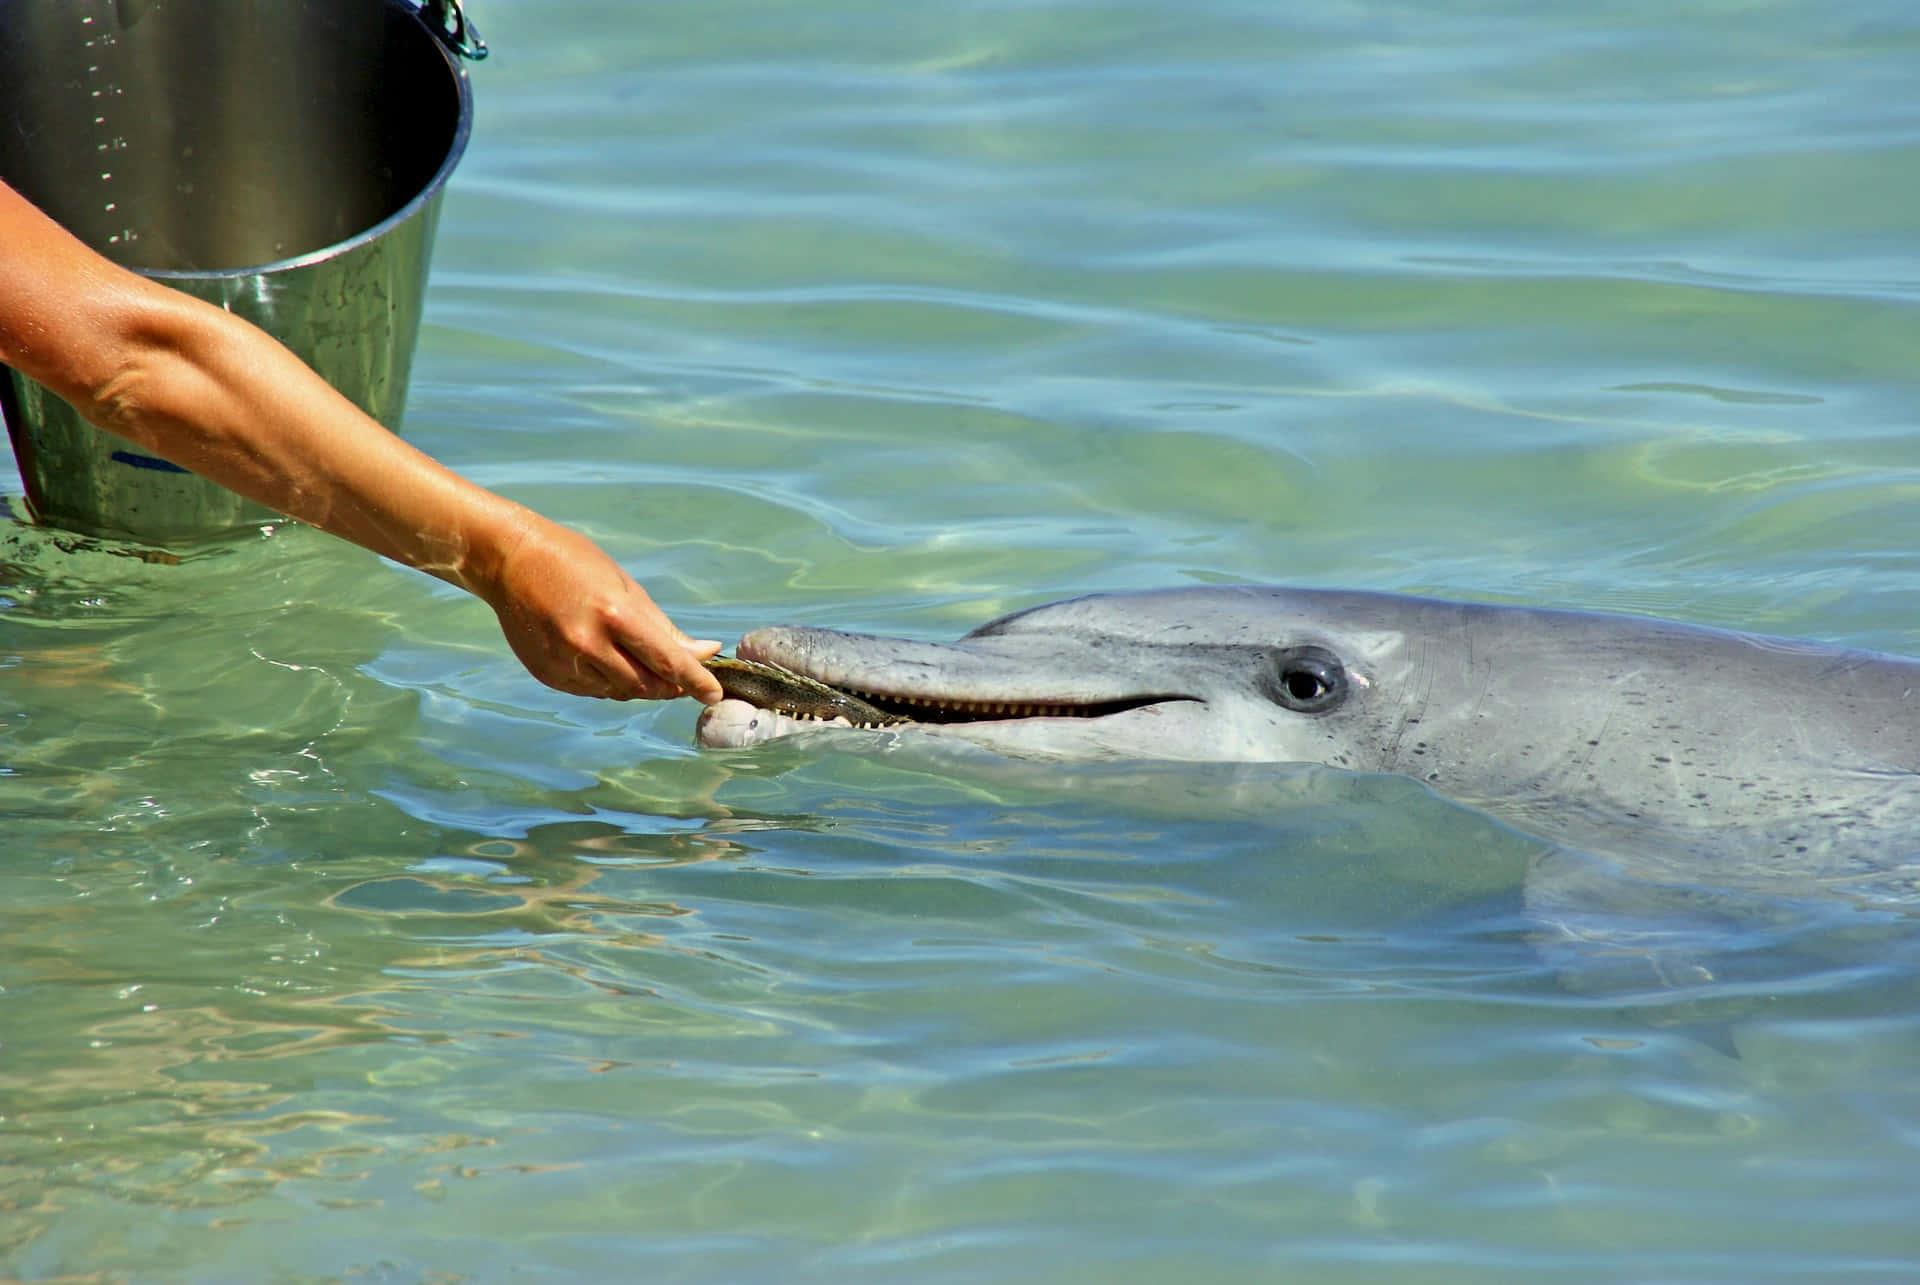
(444, 19)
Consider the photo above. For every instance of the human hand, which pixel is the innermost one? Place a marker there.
(582, 626)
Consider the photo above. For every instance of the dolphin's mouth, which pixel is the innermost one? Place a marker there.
(781, 684)
(956, 709)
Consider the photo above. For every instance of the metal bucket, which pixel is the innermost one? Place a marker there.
(284, 159)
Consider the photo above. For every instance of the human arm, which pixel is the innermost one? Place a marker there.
(212, 393)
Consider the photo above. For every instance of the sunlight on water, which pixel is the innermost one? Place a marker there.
(339, 949)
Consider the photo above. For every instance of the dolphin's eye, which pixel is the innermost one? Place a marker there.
(1309, 680)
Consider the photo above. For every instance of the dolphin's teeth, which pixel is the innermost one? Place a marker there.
(933, 709)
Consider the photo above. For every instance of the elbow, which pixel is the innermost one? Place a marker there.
(146, 373)
(118, 401)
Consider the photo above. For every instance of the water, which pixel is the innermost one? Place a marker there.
(338, 949)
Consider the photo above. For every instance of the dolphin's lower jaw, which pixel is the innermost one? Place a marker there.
(1129, 733)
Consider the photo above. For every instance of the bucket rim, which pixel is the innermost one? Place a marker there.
(430, 191)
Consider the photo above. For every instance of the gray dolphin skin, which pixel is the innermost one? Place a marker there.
(1763, 756)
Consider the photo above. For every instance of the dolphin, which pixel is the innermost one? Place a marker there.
(1694, 753)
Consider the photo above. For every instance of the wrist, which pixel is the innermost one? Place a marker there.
(491, 548)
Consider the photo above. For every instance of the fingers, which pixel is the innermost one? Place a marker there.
(663, 668)
(642, 655)
(592, 658)
(695, 679)
(581, 625)
(619, 680)
(663, 654)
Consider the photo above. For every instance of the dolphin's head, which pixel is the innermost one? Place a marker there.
(1240, 673)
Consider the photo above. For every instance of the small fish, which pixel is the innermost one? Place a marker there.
(771, 687)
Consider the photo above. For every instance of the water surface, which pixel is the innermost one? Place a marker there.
(338, 949)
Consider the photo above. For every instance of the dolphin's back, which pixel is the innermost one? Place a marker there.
(1802, 756)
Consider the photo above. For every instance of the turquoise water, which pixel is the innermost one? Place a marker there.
(338, 949)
